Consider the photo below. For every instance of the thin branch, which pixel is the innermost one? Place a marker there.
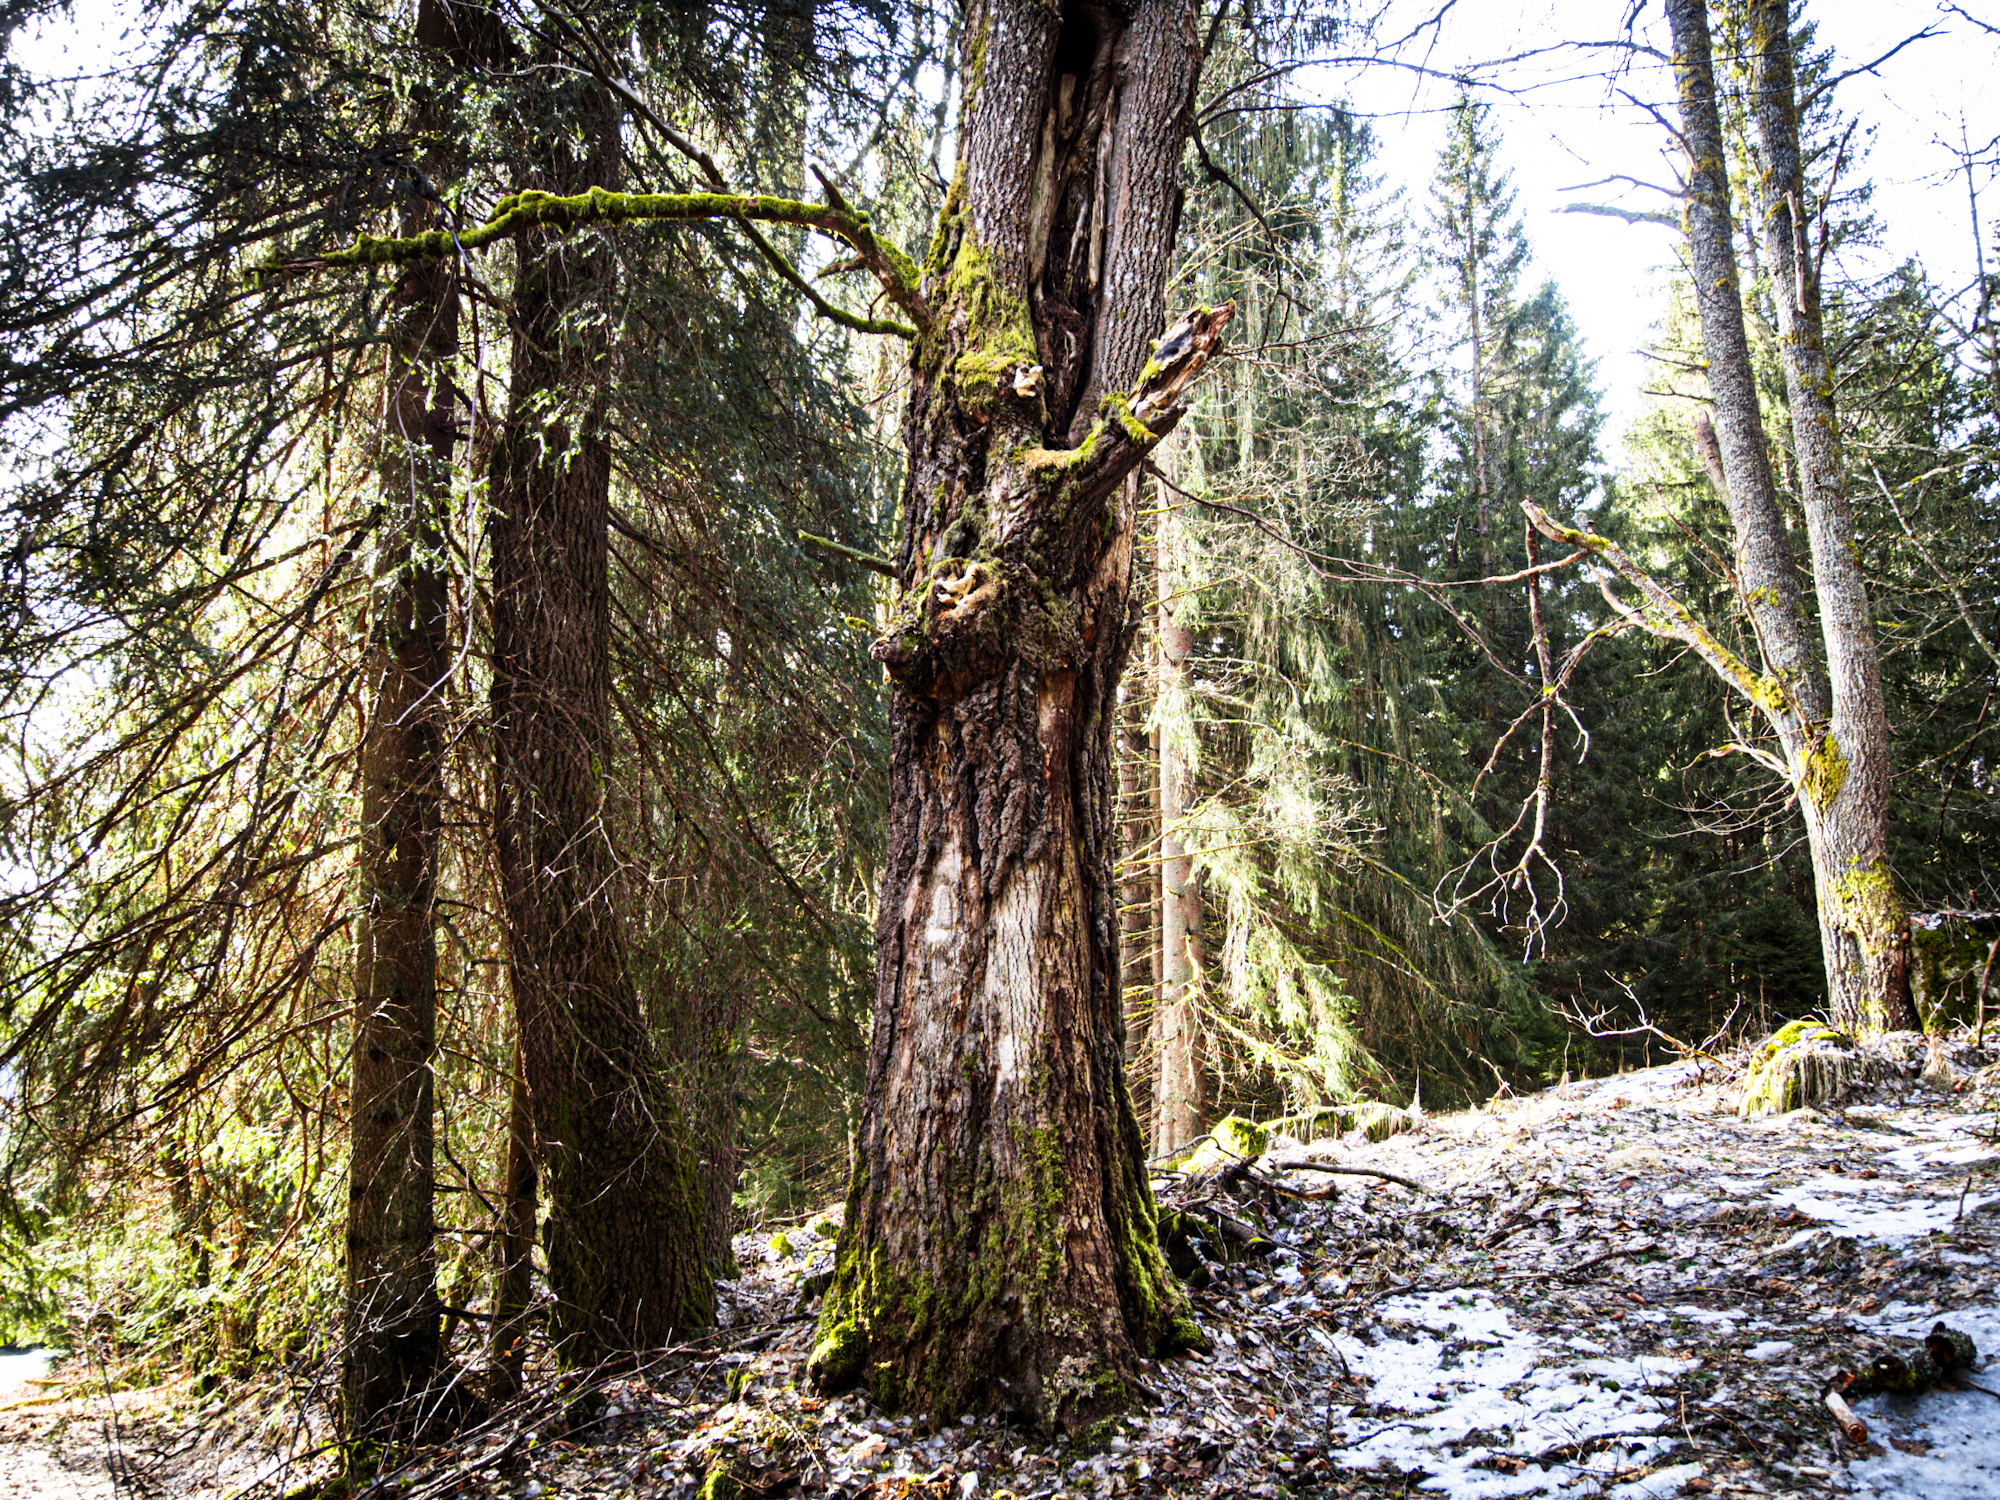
(1962, 13)
(1666, 616)
(1638, 182)
(1629, 215)
(531, 209)
(1868, 67)
(846, 553)
(1957, 595)
(1345, 1171)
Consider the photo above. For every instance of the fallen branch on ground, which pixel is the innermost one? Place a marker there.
(1346, 1171)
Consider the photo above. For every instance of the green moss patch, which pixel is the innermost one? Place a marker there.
(1232, 1141)
(1804, 1063)
(1824, 774)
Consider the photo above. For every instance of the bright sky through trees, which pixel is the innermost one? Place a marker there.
(1566, 122)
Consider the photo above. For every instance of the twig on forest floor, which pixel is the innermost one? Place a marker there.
(1346, 1171)
(1365, 1437)
(462, 1472)
(1565, 1274)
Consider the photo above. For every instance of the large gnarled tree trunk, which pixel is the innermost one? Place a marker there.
(623, 1236)
(999, 1249)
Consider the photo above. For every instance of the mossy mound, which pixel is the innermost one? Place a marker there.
(1233, 1141)
(1947, 966)
(1380, 1121)
(1804, 1063)
(1374, 1120)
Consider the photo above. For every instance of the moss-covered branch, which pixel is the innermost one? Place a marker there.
(846, 553)
(1665, 616)
(537, 210)
(1130, 425)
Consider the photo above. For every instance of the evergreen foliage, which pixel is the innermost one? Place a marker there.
(1453, 826)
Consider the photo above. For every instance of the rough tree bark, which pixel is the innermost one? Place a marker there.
(1868, 955)
(513, 1241)
(1767, 570)
(1177, 1037)
(1793, 693)
(623, 1239)
(391, 1345)
(998, 1250)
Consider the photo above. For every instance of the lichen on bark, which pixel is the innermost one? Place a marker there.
(998, 1249)
(1823, 772)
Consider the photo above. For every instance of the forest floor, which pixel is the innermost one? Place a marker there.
(1616, 1287)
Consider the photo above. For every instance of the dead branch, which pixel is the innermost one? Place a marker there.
(1346, 1171)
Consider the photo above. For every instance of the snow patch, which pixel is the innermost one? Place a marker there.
(1659, 1483)
(1955, 1431)
(1705, 1315)
(1486, 1390)
(1838, 1204)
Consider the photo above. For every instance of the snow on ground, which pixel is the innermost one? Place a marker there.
(1944, 1445)
(1615, 1288)
(1479, 1388)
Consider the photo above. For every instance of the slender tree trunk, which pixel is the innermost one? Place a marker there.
(998, 1250)
(1156, 973)
(1482, 458)
(1766, 566)
(1868, 973)
(1863, 935)
(514, 1239)
(1138, 858)
(392, 1347)
(1177, 1035)
(623, 1236)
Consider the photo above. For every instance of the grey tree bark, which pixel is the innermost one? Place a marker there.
(1868, 959)
(1822, 724)
(998, 1250)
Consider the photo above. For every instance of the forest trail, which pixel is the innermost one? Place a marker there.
(1617, 1287)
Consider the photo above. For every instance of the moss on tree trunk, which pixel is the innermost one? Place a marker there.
(999, 1249)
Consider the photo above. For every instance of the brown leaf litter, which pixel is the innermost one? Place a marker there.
(1616, 1287)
